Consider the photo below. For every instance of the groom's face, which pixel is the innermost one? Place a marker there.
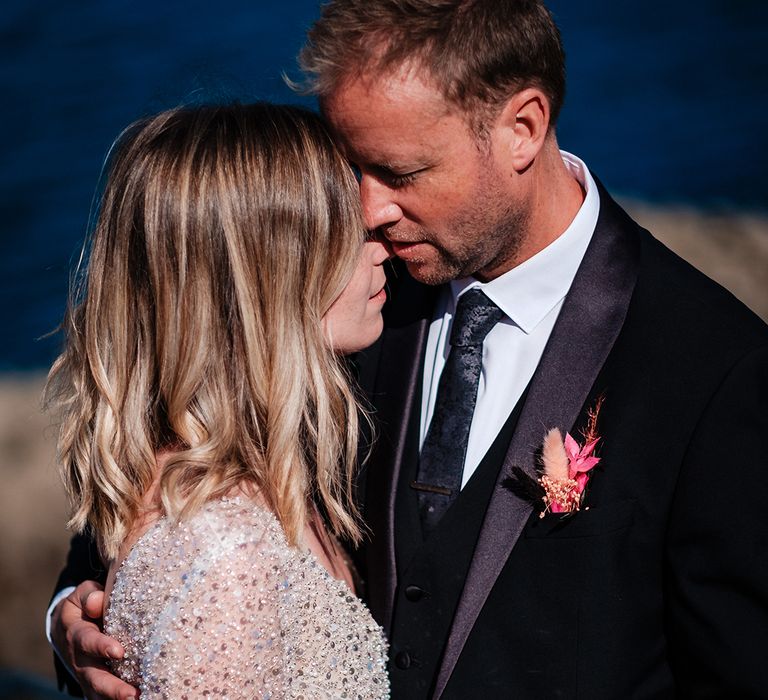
(436, 191)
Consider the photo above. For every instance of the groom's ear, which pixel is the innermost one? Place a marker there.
(522, 128)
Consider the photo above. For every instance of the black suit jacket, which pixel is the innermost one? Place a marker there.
(659, 588)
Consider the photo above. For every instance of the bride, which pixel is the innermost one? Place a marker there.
(210, 432)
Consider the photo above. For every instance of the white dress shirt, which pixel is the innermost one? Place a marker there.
(531, 296)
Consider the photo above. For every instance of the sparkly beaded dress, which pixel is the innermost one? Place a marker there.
(221, 606)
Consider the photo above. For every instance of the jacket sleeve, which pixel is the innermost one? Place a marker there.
(717, 545)
(83, 564)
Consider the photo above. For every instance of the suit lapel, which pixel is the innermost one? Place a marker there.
(396, 382)
(589, 323)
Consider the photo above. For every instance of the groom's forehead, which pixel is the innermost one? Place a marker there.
(390, 102)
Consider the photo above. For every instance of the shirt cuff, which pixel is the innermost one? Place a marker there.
(63, 593)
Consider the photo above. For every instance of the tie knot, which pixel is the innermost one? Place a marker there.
(476, 314)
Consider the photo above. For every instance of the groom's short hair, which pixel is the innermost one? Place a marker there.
(477, 52)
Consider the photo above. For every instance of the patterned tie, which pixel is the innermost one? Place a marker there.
(441, 464)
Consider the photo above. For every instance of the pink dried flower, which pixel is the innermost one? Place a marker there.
(563, 492)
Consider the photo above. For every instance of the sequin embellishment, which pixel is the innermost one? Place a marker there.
(221, 607)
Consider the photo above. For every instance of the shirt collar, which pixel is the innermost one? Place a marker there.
(528, 292)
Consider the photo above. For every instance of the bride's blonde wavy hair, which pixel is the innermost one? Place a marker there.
(224, 235)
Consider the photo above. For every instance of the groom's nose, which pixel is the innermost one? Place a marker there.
(379, 205)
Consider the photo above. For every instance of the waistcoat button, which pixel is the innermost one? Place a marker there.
(414, 593)
(403, 660)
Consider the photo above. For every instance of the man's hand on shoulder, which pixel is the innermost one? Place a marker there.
(76, 634)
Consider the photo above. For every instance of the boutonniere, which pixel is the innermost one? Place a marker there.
(564, 469)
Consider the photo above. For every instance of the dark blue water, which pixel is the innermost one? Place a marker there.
(667, 101)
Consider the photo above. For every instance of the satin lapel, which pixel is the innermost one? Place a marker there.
(397, 377)
(589, 322)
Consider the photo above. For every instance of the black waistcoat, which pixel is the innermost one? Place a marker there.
(431, 571)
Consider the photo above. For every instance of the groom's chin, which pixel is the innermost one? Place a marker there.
(429, 272)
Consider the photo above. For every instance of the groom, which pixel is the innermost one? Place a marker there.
(533, 302)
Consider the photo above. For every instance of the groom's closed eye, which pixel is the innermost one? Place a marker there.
(393, 178)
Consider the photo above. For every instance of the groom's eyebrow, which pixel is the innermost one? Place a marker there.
(393, 167)
(385, 167)
(373, 159)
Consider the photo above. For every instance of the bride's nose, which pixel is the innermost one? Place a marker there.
(378, 249)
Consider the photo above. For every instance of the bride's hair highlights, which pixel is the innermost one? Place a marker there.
(224, 234)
